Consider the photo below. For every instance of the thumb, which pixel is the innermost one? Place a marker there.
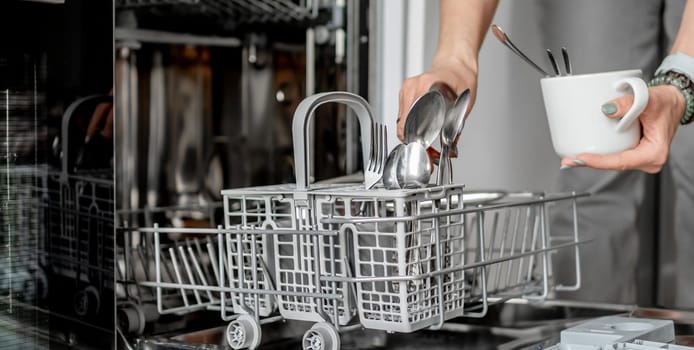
(617, 107)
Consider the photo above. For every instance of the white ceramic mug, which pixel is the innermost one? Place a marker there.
(576, 122)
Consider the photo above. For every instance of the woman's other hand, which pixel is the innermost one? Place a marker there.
(659, 122)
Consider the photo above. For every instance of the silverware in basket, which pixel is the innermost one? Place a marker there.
(379, 152)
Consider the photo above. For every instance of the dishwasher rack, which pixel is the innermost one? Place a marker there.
(342, 256)
(137, 303)
(387, 268)
(21, 217)
(61, 223)
(78, 212)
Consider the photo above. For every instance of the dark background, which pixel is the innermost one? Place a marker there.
(50, 55)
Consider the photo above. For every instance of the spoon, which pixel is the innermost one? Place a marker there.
(452, 126)
(414, 168)
(425, 118)
(553, 62)
(504, 39)
(448, 94)
(390, 177)
(567, 63)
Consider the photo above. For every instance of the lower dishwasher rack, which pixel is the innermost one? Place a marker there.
(376, 263)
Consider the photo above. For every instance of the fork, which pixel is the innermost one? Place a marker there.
(377, 156)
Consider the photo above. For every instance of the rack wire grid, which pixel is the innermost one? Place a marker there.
(240, 11)
(183, 259)
(61, 225)
(513, 242)
(295, 260)
(485, 254)
(21, 220)
(79, 214)
(400, 260)
(397, 235)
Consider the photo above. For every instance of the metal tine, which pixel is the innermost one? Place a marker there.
(509, 264)
(471, 251)
(214, 6)
(198, 248)
(202, 273)
(377, 156)
(372, 154)
(213, 259)
(523, 240)
(196, 265)
(252, 8)
(165, 270)
(189, 272)
(521, 261)
(553, 62)
(174, 261)
(567, 62)
(283, 9)
(490, 250)
(383, 144)
(502, 248)
(536, 229)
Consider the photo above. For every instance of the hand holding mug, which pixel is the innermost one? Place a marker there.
(594, 122)
(576, 122)
(659, 122)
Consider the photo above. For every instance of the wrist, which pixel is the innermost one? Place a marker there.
(677, 70)
(456, 58)
(684, 100)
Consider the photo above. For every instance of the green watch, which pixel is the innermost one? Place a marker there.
(682, 83)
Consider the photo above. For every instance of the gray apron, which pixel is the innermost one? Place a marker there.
(641, 225)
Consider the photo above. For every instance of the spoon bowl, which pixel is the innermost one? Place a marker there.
(425, 118)
(414, 168)
(390, 177)
(452, 127)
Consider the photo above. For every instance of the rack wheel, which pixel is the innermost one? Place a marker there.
(131, 319)
(322, 336)
(244, 333)
(87, 301)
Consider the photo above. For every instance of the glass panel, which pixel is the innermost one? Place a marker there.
(56, 175)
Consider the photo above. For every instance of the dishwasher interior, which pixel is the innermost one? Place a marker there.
(213, 254)
(205, 93)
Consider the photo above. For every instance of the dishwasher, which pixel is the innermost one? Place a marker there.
(211, 253)
(341, 257)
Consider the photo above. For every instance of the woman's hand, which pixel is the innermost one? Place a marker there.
(457, 74)
(659, 122)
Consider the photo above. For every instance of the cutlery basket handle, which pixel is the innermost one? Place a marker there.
(65, 127)
(302, 120)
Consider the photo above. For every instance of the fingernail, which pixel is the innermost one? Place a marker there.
(565, 167)
(579, 162)
(609, 108)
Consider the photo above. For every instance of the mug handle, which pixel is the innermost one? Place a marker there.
(640, 89)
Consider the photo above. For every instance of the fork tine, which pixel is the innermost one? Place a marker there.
(371, 151)
(375, 146)
(383, 146)
(377, 154)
